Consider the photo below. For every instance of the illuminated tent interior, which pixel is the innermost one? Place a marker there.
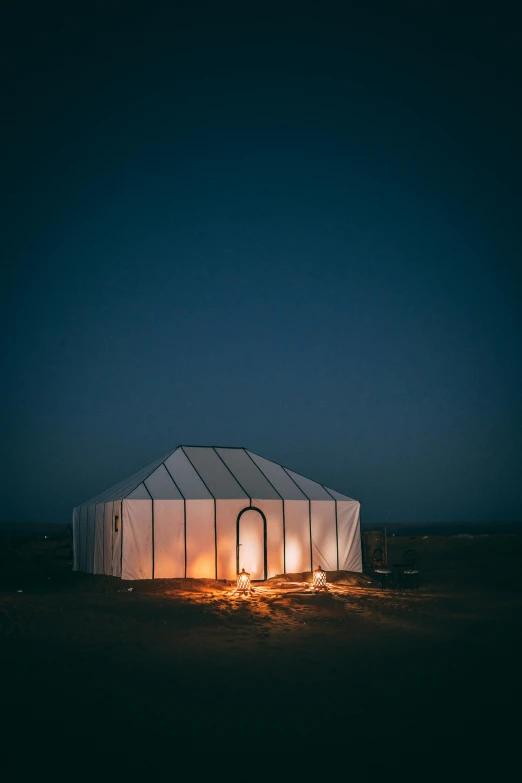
(206, 512)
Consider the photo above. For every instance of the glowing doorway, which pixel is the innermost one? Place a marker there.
(251, 543)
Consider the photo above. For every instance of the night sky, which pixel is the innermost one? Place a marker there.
(296, 232)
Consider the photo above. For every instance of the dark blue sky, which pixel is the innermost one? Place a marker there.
(297, 233)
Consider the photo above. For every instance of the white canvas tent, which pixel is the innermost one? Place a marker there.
(208, 512)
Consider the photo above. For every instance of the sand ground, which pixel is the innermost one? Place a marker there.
(358, 672)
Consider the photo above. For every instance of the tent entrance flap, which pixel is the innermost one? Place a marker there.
(251, 543)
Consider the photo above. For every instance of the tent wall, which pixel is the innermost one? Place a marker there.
(107, 537)
(201, 553)
(137, 539)
(348, 523)
(183, 533)
(91, 522)
(117, 509)
(324, 534)
(76, 538)
(169, 539)
(82, 537)
(297, 536)
(98, 539)
(96, 546)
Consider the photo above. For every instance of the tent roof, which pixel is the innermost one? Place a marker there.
(203, 472)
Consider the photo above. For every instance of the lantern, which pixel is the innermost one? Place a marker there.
(243, 582)
(319, 579)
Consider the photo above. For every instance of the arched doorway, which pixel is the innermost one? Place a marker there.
(251, 543)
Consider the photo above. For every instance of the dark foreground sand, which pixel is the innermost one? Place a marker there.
(365, 675)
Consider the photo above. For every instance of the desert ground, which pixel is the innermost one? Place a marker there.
(366, 673)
